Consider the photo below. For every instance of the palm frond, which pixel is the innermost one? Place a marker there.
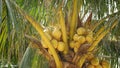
(32, 59)
(0, 11)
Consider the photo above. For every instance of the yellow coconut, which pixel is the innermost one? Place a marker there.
(90, 66)
(90, 56)
(81, 31)
(54, 43)
(75, 37)
(72, 44)
(105, 64)
(89, 38)
(75, 49)
(95, 61)
(43, 44)
(56, 33)
(77, 44)
(81, 39)
(61, 46)
(98, 66)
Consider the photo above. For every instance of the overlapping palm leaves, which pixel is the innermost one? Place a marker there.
(97, 34)
(100, 33)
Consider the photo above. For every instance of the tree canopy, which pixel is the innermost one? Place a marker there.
(13, 27)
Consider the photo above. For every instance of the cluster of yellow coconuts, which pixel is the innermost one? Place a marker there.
(81, 36)
(96, 63)
(54, 36)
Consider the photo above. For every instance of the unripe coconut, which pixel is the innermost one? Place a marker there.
(56, 33)
(72, 44)
(81, 39)
(90, 56)
(98, 66)
(90, 66)
(89, 39)
(77, 44)
(75, 49)
(61, 46)
(81, 31)
(54, 43)
(43, 44)
(75, 37)
(105, 64)
(95, 61)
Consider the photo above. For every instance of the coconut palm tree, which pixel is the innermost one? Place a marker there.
(59, 33)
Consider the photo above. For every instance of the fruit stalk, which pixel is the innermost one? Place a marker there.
(97, 24)
(73, 23)
(64, 32)
(82, 60)
(99, 31)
